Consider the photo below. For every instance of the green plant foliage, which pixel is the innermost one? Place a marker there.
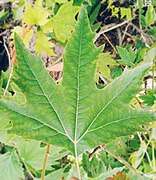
(93, 17)
(11, 168)
(127, 57)
(56, 175)
(19, 31)
(126, 12)
(64, 21)
(60, 1)
(150, 17)
(152, 32)
(149, 98)
(154, 106)
(32, 154)
(115, 11)
(123, 12)
(137, 156)
(35, 15)
(3, 15)
(79, 2)
(74, 115)
(151, 54)
(93, 167)
(96, 168)
(115, 71)
(104, 63)
(18, 9)
(42, 44)
(118, 146)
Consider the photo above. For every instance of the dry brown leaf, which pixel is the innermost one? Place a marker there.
(56, 67)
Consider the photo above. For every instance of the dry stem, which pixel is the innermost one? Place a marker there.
(45, 162)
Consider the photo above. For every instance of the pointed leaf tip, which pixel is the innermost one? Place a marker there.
(16, 37)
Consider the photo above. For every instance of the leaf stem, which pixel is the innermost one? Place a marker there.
(77, 161)
(45, 162)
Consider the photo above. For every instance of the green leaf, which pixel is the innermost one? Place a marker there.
(150, 15)
(73, 173)
(108, 174)
(48, 26)
(154, 106)
(18, 10)
(127, 57)
(35, 15)
(126, 12)
(64, 21)
(136, 176)
(93, 17)
(149, 98)
(19, 31)
(56, 175)
(60, 1)
(3, 15)
(151, 54)
(11, 168)
(137, 156)
(43, 44)
(33, 155)
(104, 63)
(118, 146)
(94, 167)
(152, 32)
(18, 95)
(79, 2)
(75, 114)
(115, 71)
(115, 11)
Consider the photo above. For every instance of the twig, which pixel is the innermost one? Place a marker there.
(13, 58)
(103, 78)
(110, 43)
(140, 104)
(58, 60)
(125, 31)
(25, 30)
(4, 32)
(122, 161)
(119, 36)
(107, 30)
(141, 33)
(140, 138)
(94, 152)
(45, 162)
(10, 67)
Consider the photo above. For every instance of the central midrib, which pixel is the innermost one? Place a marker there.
(78, 84)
